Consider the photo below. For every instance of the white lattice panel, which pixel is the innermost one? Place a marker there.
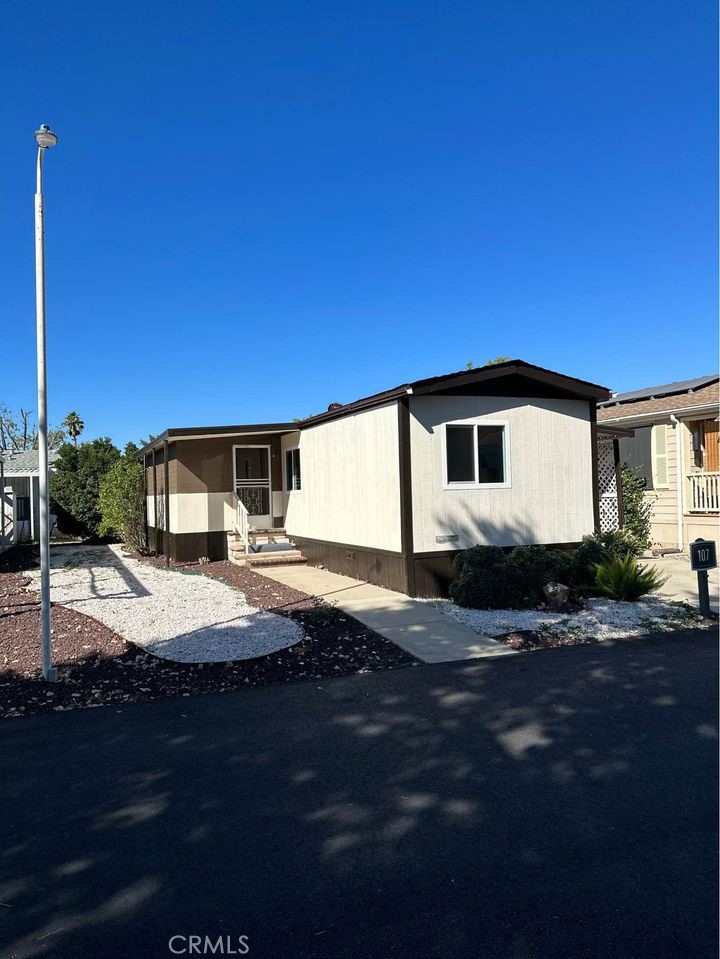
(607, 482)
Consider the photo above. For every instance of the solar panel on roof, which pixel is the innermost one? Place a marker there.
(666, 389)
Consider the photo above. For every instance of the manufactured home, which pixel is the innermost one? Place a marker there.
(674, 449)
(20, 489)
(391, 487)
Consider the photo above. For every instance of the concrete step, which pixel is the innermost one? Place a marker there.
(278, 558)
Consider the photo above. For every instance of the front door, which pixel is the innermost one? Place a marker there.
(252, 484)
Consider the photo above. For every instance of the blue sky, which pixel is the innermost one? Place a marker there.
(257, 209)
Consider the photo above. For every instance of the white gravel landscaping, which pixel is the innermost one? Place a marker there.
(188, 618)
(602, 619)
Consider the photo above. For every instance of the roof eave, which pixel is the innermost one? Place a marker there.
(569, 384)
(208, 432)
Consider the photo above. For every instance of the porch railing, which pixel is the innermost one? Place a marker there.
(242, 524)
(704, 492)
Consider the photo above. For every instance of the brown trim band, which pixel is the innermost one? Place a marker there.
(406, 503)
(595, 467)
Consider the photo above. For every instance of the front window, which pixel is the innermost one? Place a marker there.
(292, 470)
(475, 454)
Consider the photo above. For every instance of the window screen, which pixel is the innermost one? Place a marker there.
(292, 470)
(491, 468)
(460, 454)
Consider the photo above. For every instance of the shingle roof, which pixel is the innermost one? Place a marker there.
(570, 385)
(24, 462)
(666, 389)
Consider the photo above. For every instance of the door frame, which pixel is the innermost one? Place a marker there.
(254, 521)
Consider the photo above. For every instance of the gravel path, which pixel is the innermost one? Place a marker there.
(182, 617)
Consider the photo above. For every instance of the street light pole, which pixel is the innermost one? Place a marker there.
(45, 138)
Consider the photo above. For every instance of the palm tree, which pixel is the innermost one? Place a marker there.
(74, 425)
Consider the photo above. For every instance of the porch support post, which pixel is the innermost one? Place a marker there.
(145, 499)
(32, 508)
(594, 461)
(679, 480)
(166, 534)
(155, 511)
(407, 547)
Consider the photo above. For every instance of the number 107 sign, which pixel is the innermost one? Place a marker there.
(703, 554)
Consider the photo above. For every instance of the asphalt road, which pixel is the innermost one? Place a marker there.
(555, 804)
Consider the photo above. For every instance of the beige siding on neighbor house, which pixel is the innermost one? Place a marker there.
(549, 499)
(350, 481)
(664, 500)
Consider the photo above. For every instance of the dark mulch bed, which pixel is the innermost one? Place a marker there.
(531, 639)
(98, 668)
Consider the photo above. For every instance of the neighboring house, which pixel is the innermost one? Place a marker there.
(19, 471)
(391, 487)
(675, 450)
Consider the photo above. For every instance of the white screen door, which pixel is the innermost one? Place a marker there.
(252, 484)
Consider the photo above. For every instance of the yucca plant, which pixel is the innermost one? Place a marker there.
(622, 578)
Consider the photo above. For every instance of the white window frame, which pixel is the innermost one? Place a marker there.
(286, 478)
(506, 484)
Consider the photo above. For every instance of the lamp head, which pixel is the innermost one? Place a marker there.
(45, 137)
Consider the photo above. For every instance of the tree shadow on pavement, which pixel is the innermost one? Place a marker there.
(551, 805)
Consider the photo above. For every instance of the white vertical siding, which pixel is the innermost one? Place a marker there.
(549, 499)
(350, 480)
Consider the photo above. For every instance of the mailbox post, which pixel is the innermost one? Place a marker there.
(703, 556)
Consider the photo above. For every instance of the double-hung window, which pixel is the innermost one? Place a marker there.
(476, 455)
(292, 470)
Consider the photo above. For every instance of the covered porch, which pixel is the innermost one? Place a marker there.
(219, 493)
(701, 482)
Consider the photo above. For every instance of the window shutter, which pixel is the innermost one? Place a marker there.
(661, 477)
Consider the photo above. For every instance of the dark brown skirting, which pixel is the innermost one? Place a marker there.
(382, 567)
(188, 547)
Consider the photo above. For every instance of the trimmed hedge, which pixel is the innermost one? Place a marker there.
(492, 578)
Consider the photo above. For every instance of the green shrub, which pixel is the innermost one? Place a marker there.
(75, 484)
(122, 503)
(636, 508)
(596, 549)
(490, 578)
(622, 578)
(533, 567)
(483, 580)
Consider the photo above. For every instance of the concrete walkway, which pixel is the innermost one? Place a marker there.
(682, 583)
(416, 627)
